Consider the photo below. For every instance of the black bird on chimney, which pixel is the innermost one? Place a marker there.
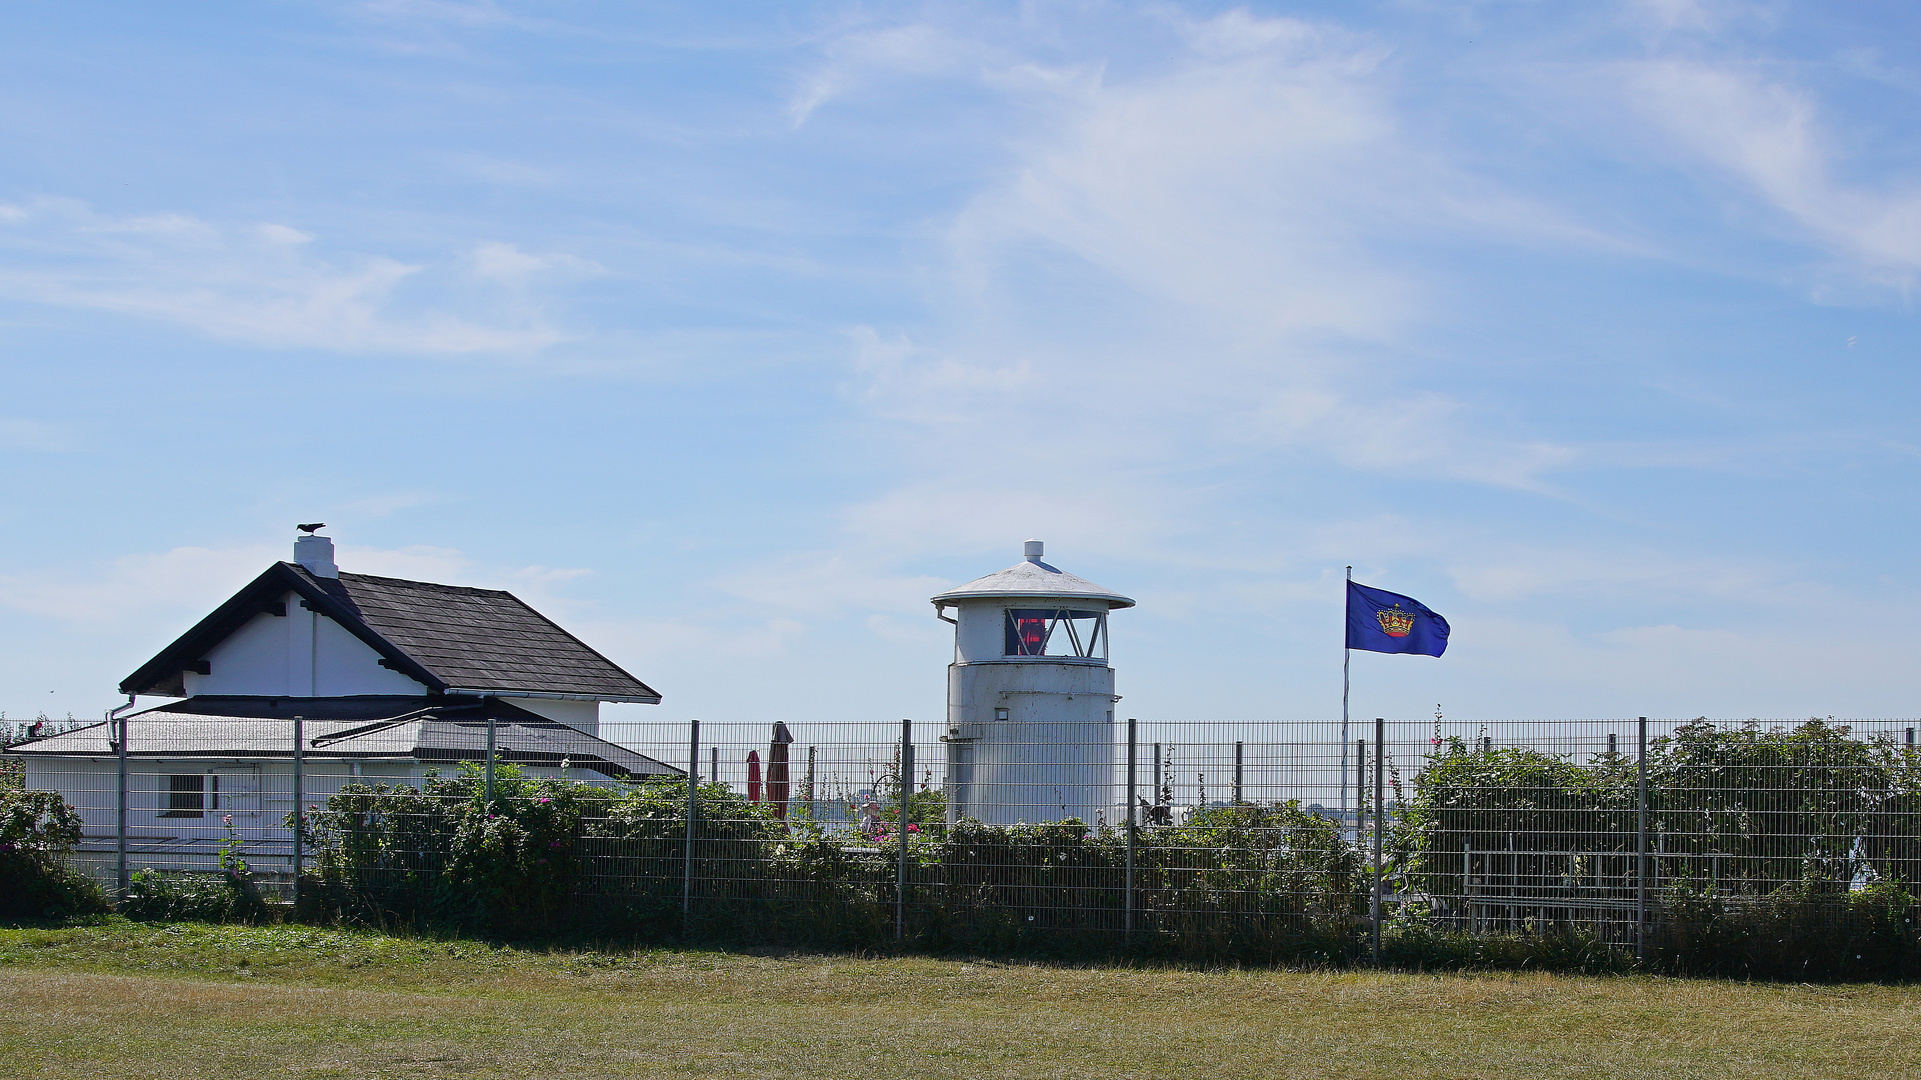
(311, 529)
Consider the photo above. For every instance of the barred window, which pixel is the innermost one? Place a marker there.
(192, 795)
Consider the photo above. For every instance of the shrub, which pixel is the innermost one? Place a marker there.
(37, 830)
(1804, 930)
(157, 896)
(744, 861)
(443, 855)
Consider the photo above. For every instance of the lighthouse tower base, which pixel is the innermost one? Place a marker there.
(1030, 741)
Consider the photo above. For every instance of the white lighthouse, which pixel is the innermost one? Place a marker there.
(1030, 698)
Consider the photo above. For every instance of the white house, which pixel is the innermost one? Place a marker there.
(391, 678)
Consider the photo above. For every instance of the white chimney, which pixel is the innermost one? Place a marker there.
(316, 553)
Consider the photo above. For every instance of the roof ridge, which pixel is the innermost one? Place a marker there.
(427, 584)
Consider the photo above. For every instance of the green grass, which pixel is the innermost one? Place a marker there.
(124, 999)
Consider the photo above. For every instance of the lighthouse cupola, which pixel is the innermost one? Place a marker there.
(1030, 695)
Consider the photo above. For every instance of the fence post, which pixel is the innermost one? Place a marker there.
(1133, 725)
(490, 760)
(1360, 790)
(299, 797)
(1467, 889)
(120, 820)
(1238, 760)
(906, 793)
(1380, 759)
(1641, 843)
(687, 856)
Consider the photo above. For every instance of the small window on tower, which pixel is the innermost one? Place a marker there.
(1056, 632)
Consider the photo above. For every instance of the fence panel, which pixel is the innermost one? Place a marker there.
(1245, 840)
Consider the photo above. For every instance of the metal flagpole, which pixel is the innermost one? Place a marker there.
(1347, 657)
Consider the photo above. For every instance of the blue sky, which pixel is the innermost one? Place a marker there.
(728, 334)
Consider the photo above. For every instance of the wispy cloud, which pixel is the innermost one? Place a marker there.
(37, 435)
(1200, 251)
(1761, 130)
(262, 283)
(186, 582)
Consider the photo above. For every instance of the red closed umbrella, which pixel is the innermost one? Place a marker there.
(753, 776)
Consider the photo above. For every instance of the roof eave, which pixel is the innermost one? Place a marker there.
(1113, 600)
(553, 695)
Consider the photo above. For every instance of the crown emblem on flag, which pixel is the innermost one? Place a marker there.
(1395, 622)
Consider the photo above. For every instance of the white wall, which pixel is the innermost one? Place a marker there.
(90, 785)
(582, 715)
(251, 661)
(299, 654)
(1052, 758)
(344, 665)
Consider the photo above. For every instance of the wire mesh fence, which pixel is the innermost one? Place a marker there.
(1238, 840)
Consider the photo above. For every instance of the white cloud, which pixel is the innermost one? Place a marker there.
(507, 263)
(853, 60)
(1766, 134)
(822, 585)
(284, 234)
(131, 587)
(418, 562)
(1189, 261)
(187, 582)
(1768, 670)
(1502, 573)
(40, 435)
(476, 13)
(682, 658)
(263, 283)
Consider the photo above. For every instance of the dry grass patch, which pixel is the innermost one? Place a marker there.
(133, 1001)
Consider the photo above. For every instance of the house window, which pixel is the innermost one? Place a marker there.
(191, 796)
(1056, 632)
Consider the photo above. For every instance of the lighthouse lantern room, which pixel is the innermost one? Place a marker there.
(1030, 697)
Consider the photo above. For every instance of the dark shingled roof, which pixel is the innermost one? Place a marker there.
(424, 729)
(446, 637)
(483, 639)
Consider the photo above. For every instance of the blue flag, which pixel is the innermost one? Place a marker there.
(1381, 621)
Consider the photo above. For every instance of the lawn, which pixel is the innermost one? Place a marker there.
(130, 1000)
